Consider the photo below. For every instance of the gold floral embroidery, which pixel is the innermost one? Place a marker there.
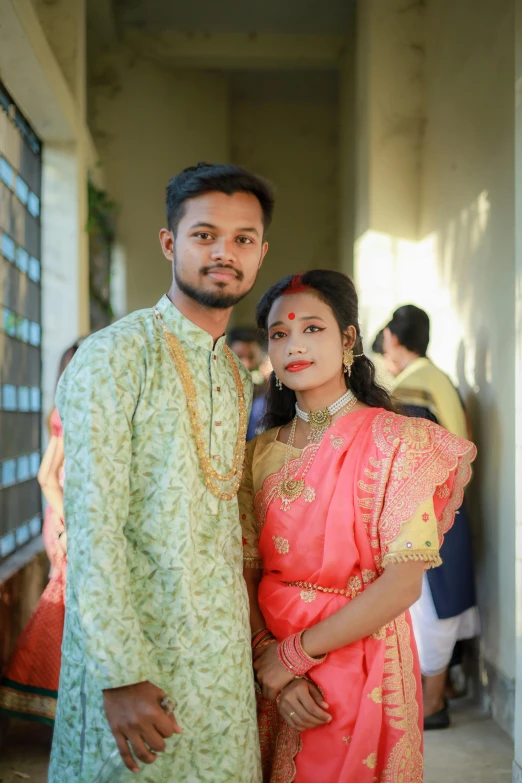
(376, 695)
(380, 633)
(41, 707)
(354, 586)
(281, 545)
(425, 455)
(309, 494)
(368, 576)
(308, 596)
(443, 491)
(371, 761)
(405, 762)
(337, 442)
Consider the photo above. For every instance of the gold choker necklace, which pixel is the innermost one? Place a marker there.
(290, 488)
(210, 474)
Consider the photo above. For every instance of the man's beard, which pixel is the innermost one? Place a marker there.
(215, 299)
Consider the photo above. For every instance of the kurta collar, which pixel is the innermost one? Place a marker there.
(185, 330)
(410, 370)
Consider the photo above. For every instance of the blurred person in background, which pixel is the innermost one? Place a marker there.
(29, 688)
(446, 611)
(245, 343)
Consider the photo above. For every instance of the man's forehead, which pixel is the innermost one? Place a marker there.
(216, 206)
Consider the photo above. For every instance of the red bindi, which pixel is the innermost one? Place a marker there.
(291, 316)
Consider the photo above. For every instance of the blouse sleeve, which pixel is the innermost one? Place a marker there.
(428, 468)
(251, 557)
(418, 539)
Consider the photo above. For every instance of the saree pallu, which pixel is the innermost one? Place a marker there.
(382, 489)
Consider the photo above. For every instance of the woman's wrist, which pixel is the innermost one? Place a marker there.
(294, 658)
(307, 643)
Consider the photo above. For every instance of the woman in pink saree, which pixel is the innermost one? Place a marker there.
(343, 506)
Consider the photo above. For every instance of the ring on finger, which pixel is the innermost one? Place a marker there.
(291, 714)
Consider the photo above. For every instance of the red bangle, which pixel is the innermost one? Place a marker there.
(293, 657)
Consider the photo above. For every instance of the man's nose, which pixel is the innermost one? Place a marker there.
(224, 251)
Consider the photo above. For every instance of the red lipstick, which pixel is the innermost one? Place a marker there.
(297, 366)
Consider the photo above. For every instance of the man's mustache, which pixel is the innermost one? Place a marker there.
(206, 269)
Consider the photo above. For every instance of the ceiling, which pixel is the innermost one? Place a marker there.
(297, 17)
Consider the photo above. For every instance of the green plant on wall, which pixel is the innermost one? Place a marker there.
(101, 230)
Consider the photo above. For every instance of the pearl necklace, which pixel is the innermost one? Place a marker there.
(319, 421)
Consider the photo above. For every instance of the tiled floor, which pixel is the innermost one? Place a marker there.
(473, 750)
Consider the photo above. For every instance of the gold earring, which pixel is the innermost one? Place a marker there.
(278, 383)
(348, 359)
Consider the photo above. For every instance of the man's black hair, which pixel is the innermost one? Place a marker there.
(221, 177)
(411, 326)
(243, 334)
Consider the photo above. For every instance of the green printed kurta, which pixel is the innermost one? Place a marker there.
(154, 585)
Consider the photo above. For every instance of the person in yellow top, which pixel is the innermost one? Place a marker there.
(446, 611)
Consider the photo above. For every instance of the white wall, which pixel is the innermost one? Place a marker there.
(149, 123)
(446, 243)
(517, 767)
(468, 206)
(284, 126)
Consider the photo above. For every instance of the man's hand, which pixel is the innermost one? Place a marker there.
(270, 673)
(136, 718)
(302, 706)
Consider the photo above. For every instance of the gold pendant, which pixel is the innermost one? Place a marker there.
(290, 490)
(319, 423)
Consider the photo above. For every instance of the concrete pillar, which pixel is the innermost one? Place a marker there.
(64, 308)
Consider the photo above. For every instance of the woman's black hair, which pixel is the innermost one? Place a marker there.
(67, 357)
(338, 292)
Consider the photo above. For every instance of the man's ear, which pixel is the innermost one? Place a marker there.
(166, 238)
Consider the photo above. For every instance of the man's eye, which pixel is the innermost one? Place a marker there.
(244, 240)
(203, 235)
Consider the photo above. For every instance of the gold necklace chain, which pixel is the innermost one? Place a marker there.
(291, 489)
(210, 474)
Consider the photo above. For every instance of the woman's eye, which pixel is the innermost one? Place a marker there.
(277, 335)
(313, 328)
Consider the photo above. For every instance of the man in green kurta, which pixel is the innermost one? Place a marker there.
(156, 603)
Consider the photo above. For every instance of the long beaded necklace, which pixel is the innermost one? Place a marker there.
(320, 420)
(289, 488)
(210, 474)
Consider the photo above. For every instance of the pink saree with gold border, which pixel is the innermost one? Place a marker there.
(383, 488)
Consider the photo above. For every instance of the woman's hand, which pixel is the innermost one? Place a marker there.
(302, 706)
(271, 674)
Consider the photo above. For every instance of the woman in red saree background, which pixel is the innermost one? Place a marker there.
(337, 533)
(29, 687)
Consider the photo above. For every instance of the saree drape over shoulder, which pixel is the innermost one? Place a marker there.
(382, 489)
